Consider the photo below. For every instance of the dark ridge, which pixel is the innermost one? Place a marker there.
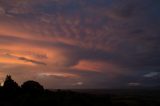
(31, 93)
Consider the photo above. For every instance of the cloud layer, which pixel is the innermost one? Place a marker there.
(80, 44)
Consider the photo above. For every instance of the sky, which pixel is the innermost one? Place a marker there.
(81, 44)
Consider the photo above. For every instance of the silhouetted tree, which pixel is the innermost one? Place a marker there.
(10, 85)
(32, 87)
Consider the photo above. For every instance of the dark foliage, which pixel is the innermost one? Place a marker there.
(32, 87)
(10, 86)
(31, 93)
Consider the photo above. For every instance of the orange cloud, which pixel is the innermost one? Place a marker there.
(103, 67)
(87, 65)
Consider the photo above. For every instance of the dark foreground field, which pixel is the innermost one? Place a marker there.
(31, 93)
(81, 98)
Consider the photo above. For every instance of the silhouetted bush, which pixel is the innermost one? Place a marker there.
(32, 87)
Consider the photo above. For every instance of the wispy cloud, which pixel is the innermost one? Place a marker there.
(32, 61)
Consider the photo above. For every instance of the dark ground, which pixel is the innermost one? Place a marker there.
(81, 98)
(31, 93)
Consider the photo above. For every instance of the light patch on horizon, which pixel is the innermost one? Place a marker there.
(134, 84)
(63, 75)
(78, 83)
(152, 74)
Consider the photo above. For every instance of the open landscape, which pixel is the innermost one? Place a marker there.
(79, 52)
(31, 93)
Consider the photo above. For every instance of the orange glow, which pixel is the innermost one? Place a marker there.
(14, 61)
(53, 57)
(90, 66)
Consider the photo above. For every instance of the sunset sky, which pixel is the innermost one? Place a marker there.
(81, 43)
